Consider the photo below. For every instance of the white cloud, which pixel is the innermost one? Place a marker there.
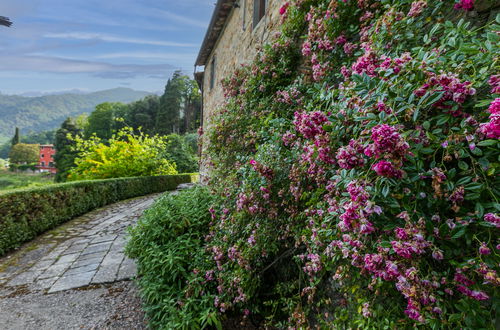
(147, 55)
(111, 38)
(183, 19)
(96, 69)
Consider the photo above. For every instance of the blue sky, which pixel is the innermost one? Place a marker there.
(57, 45)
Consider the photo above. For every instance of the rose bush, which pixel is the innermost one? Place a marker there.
(358, 161)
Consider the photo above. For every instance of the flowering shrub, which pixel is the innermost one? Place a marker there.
(358, 158)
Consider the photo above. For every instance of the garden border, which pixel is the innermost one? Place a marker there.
(26, 213)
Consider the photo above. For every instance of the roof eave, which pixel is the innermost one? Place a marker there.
(221, 13)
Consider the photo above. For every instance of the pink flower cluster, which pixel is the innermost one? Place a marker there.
(387, 169)
(492, 129)
(494, 82)
(367, 63)
(449, 84)
(386, 140)
(417, 7)
(288, 97)
(284, 8)
(350, 156)
(465, 5)
(310, 124)
(493, 219)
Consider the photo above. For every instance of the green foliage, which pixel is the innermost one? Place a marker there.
(142, 114)
(44, 137)
(126, 154)
(168, 245)
(181, 153)
(9, 180)
(47, 112)
(23, 153)
(181, 97)
(168, 116)
(358, 157)
(17, 137)
(101, 120)
(65, 148)
(29, 212)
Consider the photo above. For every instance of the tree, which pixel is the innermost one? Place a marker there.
(168, 117)
(65, 144)
(143, 114)
(23, 153)
(126, 154)
(180, 152)
(102, 121)
(192, 106)
(17, 137)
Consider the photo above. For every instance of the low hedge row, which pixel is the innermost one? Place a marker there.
(25, 213)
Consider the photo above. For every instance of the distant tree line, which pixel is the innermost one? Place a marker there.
(176, 111)
(176, 114)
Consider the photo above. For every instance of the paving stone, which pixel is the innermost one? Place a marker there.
(85, 262)
(101, 247)
(72, 281)
(45, 283)
(54, 270)
(43, 264)
(128, 270)
(106, 238)
(24, 278)
(75, 248)
(69, 258)
(106, 274)
(83, 269)
(94, 255)
(87, 250)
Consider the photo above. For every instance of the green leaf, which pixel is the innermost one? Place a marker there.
(455, 317)
(463, 165)
(416, 113)
(459, 233)
(434, 98)
(487, 143)
(479, 210)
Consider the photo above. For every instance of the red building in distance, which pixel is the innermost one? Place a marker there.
(46, 162)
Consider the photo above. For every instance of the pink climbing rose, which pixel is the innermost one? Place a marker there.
(465, 5)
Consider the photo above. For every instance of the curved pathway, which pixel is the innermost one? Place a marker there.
(75, 276)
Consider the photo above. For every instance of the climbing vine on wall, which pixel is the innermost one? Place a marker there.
(358, 157)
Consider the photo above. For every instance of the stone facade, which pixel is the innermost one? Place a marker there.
(236, 44)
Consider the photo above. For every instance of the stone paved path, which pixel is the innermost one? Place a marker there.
(68, 275)
(88, 250)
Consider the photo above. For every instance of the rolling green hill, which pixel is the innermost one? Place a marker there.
(48, 112)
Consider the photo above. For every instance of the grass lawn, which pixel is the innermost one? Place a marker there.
(10, 180)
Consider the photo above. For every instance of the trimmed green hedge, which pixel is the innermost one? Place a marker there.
(25, 213)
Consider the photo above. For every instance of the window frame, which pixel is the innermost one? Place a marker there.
(213, 65)
(259, 11)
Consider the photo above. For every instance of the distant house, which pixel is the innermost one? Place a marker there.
(46, 162)
(237, 28)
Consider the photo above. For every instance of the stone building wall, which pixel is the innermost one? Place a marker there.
(236, 45)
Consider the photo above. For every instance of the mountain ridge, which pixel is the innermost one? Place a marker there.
(47, 112)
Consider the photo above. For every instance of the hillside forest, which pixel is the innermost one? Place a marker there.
(162, 129)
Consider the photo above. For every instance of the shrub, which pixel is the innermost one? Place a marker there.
(24, 153)
(167, 244)
(358, 157)
(179, 151)
(126, 154)
(25, 213)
